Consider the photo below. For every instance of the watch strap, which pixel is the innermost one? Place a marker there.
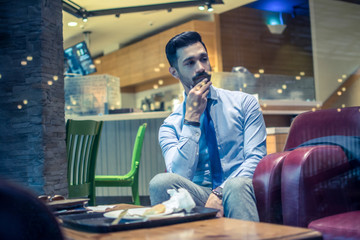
(218, 192)
(195, 124)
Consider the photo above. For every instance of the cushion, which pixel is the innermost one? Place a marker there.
(339, 226)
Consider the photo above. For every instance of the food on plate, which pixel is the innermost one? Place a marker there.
(157, 209)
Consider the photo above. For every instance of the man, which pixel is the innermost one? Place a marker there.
(213, 142)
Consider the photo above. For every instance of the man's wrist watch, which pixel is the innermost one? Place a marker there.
(195, 124)
(218, 192)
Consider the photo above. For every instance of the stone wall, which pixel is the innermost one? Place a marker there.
(32, 139)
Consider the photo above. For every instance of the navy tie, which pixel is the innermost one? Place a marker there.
(216, 171)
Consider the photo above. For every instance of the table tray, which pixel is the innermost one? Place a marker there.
(96, 222)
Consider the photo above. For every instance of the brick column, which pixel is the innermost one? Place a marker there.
(32, 125)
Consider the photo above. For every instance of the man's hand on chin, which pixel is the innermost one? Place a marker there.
(214, 202)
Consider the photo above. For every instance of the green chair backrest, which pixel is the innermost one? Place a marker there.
(82, 144)
(136, 155)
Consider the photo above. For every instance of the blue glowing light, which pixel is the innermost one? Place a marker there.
(274, 20)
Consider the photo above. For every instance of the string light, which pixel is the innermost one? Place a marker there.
(72, 24)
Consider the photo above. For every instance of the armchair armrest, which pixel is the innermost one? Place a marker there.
(267, 187)
(314, 184)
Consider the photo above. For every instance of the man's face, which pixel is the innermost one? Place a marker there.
(193, 65)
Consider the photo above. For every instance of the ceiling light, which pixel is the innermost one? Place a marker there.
(201, 8)
(276, 26)
(84, 19)
(210, 9)
(72, 24)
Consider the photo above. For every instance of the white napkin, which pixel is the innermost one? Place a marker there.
(179, 200)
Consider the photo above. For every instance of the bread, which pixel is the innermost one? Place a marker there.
(157, 209)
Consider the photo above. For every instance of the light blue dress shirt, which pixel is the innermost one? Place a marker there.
(240, 132)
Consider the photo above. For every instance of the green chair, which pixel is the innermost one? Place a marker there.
(131, 179)
(82, 144)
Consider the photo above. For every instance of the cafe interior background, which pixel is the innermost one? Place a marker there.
(294, 56)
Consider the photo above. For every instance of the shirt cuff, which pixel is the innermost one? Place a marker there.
(191, 132)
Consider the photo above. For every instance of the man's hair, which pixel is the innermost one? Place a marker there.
(181, 40)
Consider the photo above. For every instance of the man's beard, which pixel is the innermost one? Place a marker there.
(201, 76)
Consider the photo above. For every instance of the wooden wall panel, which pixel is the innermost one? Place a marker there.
(246, 41)
(275, 143)
(145, 61)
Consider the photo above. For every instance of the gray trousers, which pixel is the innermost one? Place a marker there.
(238, 194)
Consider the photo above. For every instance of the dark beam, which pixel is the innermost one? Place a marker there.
(79, 12)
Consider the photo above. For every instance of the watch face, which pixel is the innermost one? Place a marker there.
(218, 194)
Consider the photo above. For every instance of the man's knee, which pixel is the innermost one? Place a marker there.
(238, 184)
(158, 181)
(163, 181)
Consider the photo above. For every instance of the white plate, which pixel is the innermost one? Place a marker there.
(134, 213)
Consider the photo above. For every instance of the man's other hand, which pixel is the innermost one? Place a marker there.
(214, 202)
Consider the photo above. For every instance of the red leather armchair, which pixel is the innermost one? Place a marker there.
(306, 186)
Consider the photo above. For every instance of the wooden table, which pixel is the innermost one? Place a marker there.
(217, 228)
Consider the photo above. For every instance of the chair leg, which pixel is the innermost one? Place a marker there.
(92, 196)
(135, 194)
